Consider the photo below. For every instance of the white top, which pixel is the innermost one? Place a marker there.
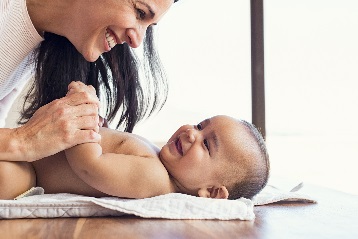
(18, 38)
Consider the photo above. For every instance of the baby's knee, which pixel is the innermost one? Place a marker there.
(15, 178)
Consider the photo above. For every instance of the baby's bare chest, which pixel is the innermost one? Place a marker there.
(127, 143)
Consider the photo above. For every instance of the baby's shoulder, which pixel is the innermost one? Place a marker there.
(114, 141)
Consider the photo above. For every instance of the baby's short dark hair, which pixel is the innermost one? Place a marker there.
(255, 179)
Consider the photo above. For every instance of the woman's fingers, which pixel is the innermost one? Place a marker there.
(56, 127)
(80, 93)
(61, 124)
(80, 86)
(78, 98)
(86, 123)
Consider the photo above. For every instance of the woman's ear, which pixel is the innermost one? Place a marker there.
(214, 192)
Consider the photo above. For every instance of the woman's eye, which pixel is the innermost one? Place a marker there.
(199, 127)
(141, 14)
(206, 143)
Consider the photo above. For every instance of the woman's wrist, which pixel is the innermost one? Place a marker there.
(11, 146)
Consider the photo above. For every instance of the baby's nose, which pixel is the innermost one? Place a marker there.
(191, 135)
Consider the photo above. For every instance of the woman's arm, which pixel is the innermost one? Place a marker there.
(120, 175)
(54, 127)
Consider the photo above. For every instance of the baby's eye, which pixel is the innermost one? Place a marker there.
(199, 127)
(206, 143)
(141, 14)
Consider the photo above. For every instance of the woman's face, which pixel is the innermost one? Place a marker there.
(100, 25)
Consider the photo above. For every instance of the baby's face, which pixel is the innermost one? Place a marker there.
(198, 156)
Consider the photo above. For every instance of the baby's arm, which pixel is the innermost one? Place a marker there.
(120, 175)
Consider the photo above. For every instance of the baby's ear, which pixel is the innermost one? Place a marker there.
(214, 192)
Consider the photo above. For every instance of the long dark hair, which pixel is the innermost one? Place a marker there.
(114, 75)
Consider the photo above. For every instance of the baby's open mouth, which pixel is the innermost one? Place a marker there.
(179, 147)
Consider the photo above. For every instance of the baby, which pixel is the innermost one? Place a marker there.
(221, 157)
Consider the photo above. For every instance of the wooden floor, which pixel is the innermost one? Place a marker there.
(334, 216)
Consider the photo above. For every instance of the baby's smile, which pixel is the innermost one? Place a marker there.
(179, 146)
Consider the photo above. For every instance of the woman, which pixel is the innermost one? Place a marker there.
(83, 40)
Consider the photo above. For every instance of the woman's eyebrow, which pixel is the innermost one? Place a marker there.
(152, 13)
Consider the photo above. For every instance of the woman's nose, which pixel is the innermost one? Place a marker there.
(136, 36)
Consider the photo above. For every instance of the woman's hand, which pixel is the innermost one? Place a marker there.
(60, 124)
(78, 86)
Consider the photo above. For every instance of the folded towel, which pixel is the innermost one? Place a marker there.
(169, 206)
(272, 194)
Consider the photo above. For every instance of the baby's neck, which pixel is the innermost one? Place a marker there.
(178, 188)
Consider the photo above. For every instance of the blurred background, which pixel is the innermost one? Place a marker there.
(311, 62)
(311, 79)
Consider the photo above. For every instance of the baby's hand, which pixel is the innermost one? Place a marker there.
(103, 122)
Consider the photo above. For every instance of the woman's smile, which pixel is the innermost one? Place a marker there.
(111, 40)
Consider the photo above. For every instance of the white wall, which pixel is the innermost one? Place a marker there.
(205, 47)
(311, 62)
(311, 76)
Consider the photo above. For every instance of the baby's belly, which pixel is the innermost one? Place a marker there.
(55, 175)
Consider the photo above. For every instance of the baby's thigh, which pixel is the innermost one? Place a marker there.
(15, 178)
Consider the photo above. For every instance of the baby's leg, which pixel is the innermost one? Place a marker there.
(15, 178)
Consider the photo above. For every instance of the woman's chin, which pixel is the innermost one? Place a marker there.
(91, 56)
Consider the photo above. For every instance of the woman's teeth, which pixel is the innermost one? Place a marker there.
(110, 40)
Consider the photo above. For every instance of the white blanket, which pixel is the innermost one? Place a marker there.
(169, 206)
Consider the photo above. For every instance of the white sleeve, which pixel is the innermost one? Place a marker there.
(18, 38)
(5, 105)
(8, 100)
